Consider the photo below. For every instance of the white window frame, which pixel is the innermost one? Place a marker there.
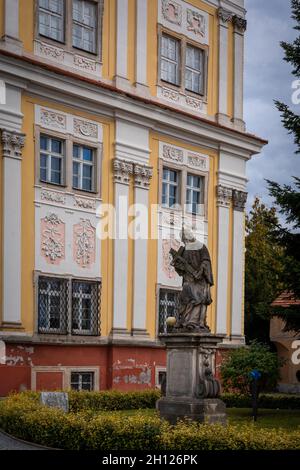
(81, 162)
(49, 154)
(52, 14)
(199, 72)
(184, 42)
(169, 183)
(168, 60)
(48, 329)
(80, 373)
(83, 27)
(80, 296)
(194, 189)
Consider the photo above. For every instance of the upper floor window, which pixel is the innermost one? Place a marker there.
(194, 193)
(170, 59)
(194, 70)
(51, 159)
(170, 187)
(182, 64)
(83, 167)
(75, 23)
(85, 25)
(51, 19)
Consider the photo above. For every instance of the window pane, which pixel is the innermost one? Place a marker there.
(55, 164)
(55, 177)
(87, 154)
(76, 151)
(44, 142)
(56, 146)
(173, 175)
(87, 184)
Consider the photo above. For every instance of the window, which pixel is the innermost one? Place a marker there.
(84, 25)
(82, 381)
(51, 159)
(56, 306)
(194, 69)
(170, 59)
(168, 307)
(83, 168)
(85, 305)
(170, 190)
(51, 19)
(194, 193)
(182, 64)
(52, 305)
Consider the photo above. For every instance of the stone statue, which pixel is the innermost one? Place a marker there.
(192, 262)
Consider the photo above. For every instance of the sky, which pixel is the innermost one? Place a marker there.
(268, 77)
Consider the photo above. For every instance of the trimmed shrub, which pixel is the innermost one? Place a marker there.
(113, 400)
(278, 401)
(22, 416)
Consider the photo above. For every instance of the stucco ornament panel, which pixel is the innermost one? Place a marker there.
(53, 239)
(85, 128)
(172, 11)
(167, 244)
(53, 119)
(84, 242)
(195, 22)
(172, 153)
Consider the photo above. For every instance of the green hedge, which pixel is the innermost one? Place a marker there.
(22, 416)
(266, 400)
(112, 400)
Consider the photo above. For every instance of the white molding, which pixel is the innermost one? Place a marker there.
(10, 39)
(103, 102)
(237, 272)
(122, 38)
(223, 68)
(238, 79)
(141, 42)
(12, 144)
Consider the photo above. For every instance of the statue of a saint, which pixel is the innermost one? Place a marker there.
(192, 262)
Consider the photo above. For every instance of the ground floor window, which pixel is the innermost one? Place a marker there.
(68, 306)
(82, 381)
(168, 307)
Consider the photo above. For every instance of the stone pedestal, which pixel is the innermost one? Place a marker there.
(192, 391)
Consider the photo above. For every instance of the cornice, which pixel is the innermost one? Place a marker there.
(67, 87)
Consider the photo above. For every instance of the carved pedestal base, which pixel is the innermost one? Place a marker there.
(208, 410)
(192, 391)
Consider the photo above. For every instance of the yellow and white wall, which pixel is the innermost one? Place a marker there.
(138, 124)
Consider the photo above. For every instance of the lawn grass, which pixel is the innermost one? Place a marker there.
(285, 419)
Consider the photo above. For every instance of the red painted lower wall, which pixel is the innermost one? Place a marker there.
(45, 367)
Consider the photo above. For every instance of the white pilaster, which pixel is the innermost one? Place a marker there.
(142, 176)
(122, 43)
(238, 255)
(225, 17)
(224, 195)
(240, 25)
(141, 44)
(122, 172)
(12, 143)
(10, 39)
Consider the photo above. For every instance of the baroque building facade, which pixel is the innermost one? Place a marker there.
(115, 102)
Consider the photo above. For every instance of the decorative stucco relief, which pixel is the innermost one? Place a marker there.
(53, 119)
(84, 63)
(51, 51)
(53, 196)
(172, 11)
(170, 94)
(84, 203)
(84, 242)
(53, 239)
(197, 162)
(172, 153)
(85, 128)
(167, 244)
(195, 22)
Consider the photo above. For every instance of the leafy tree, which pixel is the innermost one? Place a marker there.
(287, 197)
(237, 365)
(264, 264)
